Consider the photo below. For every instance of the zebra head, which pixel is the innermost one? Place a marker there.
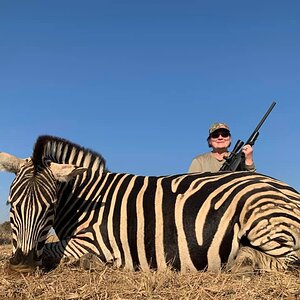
(32, 199)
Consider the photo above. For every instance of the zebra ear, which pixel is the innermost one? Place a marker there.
(65, 172)
(10, 163)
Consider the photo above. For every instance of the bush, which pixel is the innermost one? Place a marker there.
(5, 233)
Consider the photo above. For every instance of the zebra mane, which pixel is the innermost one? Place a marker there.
(60, 150)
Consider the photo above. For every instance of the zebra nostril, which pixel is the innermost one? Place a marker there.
(16, 258)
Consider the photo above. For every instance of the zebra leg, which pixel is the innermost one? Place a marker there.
(72, 253)
(250, 260)
(88, 261)
(50, 260)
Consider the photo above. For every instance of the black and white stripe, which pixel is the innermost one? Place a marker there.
(188, 221)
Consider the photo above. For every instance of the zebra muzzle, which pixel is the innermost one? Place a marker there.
(24, 263)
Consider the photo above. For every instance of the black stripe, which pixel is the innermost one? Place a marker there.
(132, 220)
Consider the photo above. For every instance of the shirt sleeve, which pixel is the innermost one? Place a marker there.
(250, 168)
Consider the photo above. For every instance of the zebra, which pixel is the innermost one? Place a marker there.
(186, 222)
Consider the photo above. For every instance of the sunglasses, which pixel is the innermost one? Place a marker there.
(223, 134)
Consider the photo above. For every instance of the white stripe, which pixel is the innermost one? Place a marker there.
(159, 227)
(184, 255)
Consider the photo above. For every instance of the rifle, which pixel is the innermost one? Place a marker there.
(236, 159)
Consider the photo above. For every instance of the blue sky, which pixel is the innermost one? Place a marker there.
(141, 81)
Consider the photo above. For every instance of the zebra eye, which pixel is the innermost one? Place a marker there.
(47, 162)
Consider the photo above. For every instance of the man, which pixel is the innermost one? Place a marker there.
(219, 139)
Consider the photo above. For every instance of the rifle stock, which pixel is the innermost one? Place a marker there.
(236, 158)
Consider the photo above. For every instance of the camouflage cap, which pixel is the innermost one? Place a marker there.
(215, 126)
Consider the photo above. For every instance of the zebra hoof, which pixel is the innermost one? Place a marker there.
(254, 261)
(242, 266)
(90, 261)
(50, 263)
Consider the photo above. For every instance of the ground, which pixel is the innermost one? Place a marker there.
(102, 282)
(70, 282)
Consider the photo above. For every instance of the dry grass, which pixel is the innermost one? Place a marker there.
(102, 282)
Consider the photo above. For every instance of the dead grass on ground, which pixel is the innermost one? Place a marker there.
(102, 282)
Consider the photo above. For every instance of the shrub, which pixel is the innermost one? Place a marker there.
(5, 233)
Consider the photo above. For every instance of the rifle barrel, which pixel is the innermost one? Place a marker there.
(234, 159)
(265, 116)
